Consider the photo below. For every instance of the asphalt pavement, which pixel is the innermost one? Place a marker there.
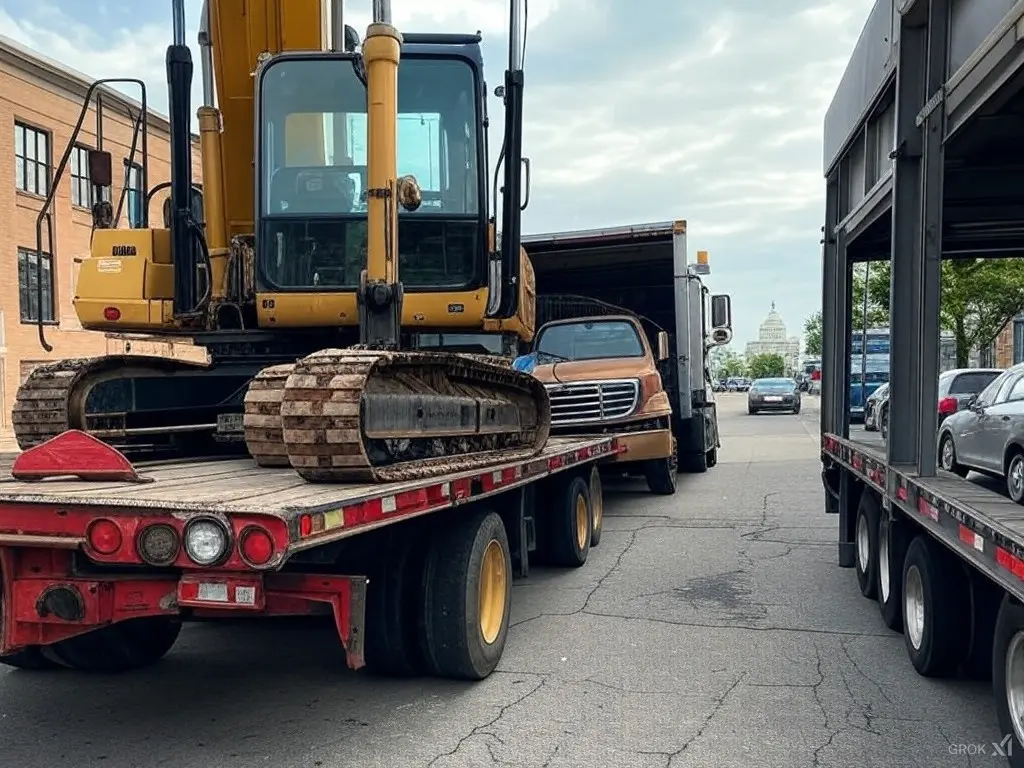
(710, 628)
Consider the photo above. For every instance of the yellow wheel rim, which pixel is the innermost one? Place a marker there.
(493, 585)
(596, 501)
(582, 521)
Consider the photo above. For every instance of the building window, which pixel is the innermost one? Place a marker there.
(32, 273)
(31, 159)
(81, 184)
(136, 196)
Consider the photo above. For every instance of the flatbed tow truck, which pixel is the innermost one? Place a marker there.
(939, 84)
(99, 570)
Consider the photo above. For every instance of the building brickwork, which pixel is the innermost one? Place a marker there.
(40, 102)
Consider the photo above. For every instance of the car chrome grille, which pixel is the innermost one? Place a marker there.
(584, 402)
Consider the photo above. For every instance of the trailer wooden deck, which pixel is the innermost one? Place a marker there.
(239, 486)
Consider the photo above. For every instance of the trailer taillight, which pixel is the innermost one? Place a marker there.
(256, 546)
(104, 537)
(158, 544)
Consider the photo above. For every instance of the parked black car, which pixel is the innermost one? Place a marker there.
(773, 395)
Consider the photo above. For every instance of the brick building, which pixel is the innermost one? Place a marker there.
(40, 101)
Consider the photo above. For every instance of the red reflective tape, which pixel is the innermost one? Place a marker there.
(462, 488)
(902, 493)
(556, 462)
(857, 461)
(928, 510)
(1010, 562)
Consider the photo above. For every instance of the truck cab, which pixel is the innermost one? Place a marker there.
(602, 374)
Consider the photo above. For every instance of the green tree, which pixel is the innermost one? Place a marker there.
(879, 280)
(733, 365)
(812, 335)
(979, 297)
(765, 366)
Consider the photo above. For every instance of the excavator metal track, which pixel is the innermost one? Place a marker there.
(261, 420)
(63, 395)
(363, 415)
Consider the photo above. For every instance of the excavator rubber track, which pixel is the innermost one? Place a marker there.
(364, 415)
(261, 420)
(54, 396)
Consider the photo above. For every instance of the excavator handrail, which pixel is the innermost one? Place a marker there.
(45, 211)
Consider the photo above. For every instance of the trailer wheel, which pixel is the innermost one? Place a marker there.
(712, 457)
(392, 646)
(571, 525)
(866, 539)
(985, 598)
(120, 647)
(31, 658)
(1008, 677)
(468, 597)
(892, 549)
(596, 506)
(934, 601)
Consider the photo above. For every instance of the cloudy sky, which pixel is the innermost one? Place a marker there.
(636, 111)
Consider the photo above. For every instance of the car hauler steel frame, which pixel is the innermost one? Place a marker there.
(943, 556)
(96, 574)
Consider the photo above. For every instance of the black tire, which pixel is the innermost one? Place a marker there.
(121, 647)
(596, 506)
(712, 457)
(947, 456)
(30, 658)
(570, 529)
(892, 551)
(393, 647)
(985, 599)
(1015, 477)
(1009, 625)
(751, 411)
(796, 410)
(866, 544)
(454, 640)
(661, 473)
(933, 580)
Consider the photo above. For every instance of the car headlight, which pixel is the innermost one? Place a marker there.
(206, 541)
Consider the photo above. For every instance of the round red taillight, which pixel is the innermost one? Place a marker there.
(104, 537)
(256, 546)
(113, 314)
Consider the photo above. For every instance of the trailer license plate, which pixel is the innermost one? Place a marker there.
(228, 423)
(773, 399)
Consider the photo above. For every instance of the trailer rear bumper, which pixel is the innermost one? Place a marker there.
(44, 600)
(642, 446)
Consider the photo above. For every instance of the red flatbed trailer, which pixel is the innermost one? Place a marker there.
(97, 574)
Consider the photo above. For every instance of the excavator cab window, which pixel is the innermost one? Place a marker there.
(313, 135)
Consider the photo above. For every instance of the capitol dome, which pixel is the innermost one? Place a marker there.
(773, 329)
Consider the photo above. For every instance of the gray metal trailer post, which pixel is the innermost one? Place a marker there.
(924, 160)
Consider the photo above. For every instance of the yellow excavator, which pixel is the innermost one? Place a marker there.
(338, 262)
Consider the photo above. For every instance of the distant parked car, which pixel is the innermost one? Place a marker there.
(773, 395)
(987, 435)
(956, 389)
(871, 423)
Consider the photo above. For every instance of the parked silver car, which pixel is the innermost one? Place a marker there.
(871, 412)
(987, 436)
(956, 389)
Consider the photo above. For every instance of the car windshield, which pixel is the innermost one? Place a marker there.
(773, 385)
(596, 340)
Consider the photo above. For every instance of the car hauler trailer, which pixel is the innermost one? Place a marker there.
(645, 270)
(98, 571)
(923, 162)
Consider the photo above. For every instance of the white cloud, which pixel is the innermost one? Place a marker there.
(641, 111)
